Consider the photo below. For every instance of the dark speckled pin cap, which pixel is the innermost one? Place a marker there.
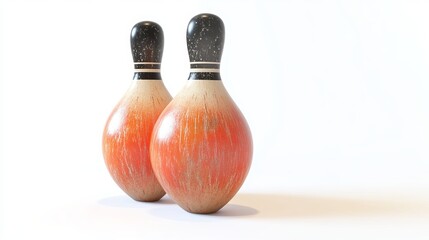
(205, 38)
(147, 45)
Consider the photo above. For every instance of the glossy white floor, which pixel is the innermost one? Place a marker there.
(335, 94)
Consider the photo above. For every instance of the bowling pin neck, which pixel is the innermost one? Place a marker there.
(205, 39)
(147, 45)
(147, 71)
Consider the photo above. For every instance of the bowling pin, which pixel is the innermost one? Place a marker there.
(126, 137)
(201, 147)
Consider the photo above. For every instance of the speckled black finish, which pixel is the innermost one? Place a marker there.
(205, 38)
(147, 45)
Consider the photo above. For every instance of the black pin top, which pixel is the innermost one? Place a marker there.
(147, 45)
(205, 39)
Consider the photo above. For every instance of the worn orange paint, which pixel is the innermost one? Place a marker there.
(126, 139)
(201, 147)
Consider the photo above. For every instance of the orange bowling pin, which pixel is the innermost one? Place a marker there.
(201, 147)
(126, 137)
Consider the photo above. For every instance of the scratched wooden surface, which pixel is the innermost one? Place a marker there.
(126, 139)
(202, 148)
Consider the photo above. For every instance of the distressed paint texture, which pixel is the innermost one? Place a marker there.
(126, 139)
(201, 147)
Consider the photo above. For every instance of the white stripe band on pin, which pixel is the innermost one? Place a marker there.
(205, 63)
(140, 63)
(213, 70)
(147, 70)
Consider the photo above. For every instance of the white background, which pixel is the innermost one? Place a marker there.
(336, 94)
